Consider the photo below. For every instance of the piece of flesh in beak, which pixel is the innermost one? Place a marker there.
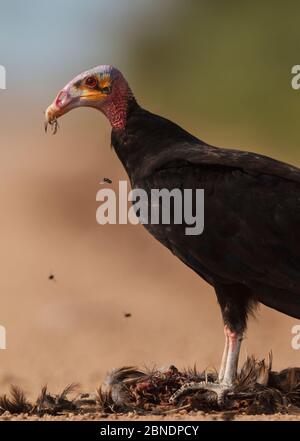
(60, 106)
(51, 116)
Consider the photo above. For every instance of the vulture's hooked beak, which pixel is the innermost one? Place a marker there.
(51, 119)
(62, 104)
(93, 88)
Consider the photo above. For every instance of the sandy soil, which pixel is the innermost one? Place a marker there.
(73, 327)
(182, 416)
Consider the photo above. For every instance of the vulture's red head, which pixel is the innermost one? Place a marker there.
(102, 87)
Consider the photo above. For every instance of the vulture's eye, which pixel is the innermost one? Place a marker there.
(91, 82)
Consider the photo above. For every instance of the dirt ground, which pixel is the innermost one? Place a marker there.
(78, 299)
(194, 416)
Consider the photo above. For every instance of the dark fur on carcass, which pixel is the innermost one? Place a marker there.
(258, 390)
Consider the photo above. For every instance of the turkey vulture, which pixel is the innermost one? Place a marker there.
(249, 250)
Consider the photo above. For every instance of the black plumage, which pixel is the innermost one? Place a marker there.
(249, 249)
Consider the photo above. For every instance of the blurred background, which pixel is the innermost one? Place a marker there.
(220, 69)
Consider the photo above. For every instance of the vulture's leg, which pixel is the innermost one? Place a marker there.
(224, 356)
(235, 303)
(233, 341)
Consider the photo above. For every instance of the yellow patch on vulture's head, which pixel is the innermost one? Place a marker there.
(102, 87)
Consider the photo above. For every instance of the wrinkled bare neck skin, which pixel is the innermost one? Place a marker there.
(115, 108)
(114, 105)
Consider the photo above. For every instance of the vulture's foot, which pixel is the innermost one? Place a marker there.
(220, 389)
(227, 374)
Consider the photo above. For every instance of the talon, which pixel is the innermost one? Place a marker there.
(218, 388)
